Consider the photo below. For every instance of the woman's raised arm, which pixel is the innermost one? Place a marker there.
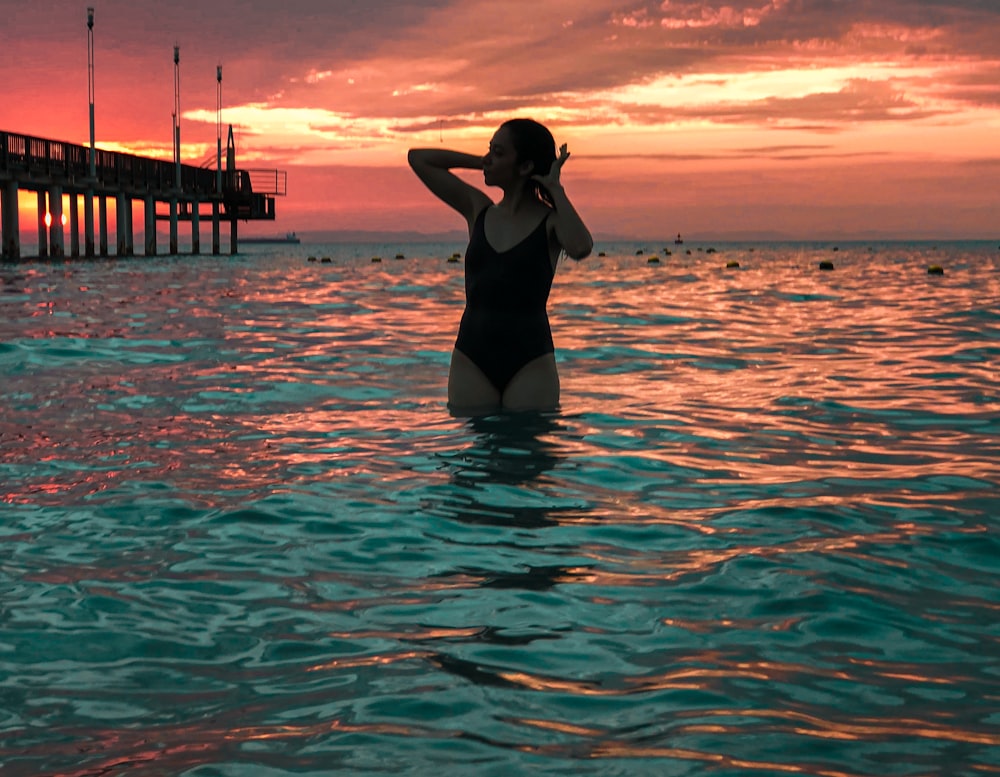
(433, 166)
(571, 232)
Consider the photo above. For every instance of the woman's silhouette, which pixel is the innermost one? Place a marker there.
(504, 356)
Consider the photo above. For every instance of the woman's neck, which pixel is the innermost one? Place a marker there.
(518, 198)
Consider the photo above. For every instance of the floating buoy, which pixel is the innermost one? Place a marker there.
(826, 265)
(326, 260)
(732, 265)
(710, 251)
(653, 260)
(935, 269)
(640, 252)
(668, 252)
(312, 258)
(688, 252)
(400, 256)
(601, 253)
(376, 258)
(453, 259)
(836, 248)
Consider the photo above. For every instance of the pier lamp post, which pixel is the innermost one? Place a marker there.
(177, 112)
(90, 86)
(218, 161)
(177, 150)
(218, 129)
(88, 201)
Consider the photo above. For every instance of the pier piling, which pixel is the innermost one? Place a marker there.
(11, 237)
(129, 230)
(103, 208)
(43, 235)
(149, 226)
(121, 224)
(55, 214)
(88, 223)
(216, 242)
(173, 225)
(74, 224)
(195, 228)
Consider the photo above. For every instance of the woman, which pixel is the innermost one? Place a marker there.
(504, 357)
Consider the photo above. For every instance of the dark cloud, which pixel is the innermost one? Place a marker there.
(300, 28)
(475, 59)
(263, 45)
(734, 35)
(614, 47)
(979, 87)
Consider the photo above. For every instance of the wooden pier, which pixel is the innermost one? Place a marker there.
(54, 169)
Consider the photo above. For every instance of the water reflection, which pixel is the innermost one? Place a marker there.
(500, 478)
(509, 448)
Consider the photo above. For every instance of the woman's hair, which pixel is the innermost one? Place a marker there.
(533, 143)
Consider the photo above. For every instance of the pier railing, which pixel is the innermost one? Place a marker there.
(30, 158)
(274, 182)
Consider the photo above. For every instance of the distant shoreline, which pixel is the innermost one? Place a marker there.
(460, 236)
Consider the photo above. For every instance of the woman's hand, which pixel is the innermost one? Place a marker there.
(550, 181)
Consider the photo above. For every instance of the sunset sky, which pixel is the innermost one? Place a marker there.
(715, 118)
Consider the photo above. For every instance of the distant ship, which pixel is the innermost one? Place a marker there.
(290, 237)
(679, 240)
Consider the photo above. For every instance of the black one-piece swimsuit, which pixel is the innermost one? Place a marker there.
(505, 325)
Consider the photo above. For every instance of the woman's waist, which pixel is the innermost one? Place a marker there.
(487, 315)
(504, 323)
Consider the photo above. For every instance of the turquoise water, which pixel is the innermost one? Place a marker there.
(240, 534)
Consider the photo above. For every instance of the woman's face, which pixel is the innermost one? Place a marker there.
(500, 165)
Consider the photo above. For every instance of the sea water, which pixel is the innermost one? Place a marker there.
(241, 534)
